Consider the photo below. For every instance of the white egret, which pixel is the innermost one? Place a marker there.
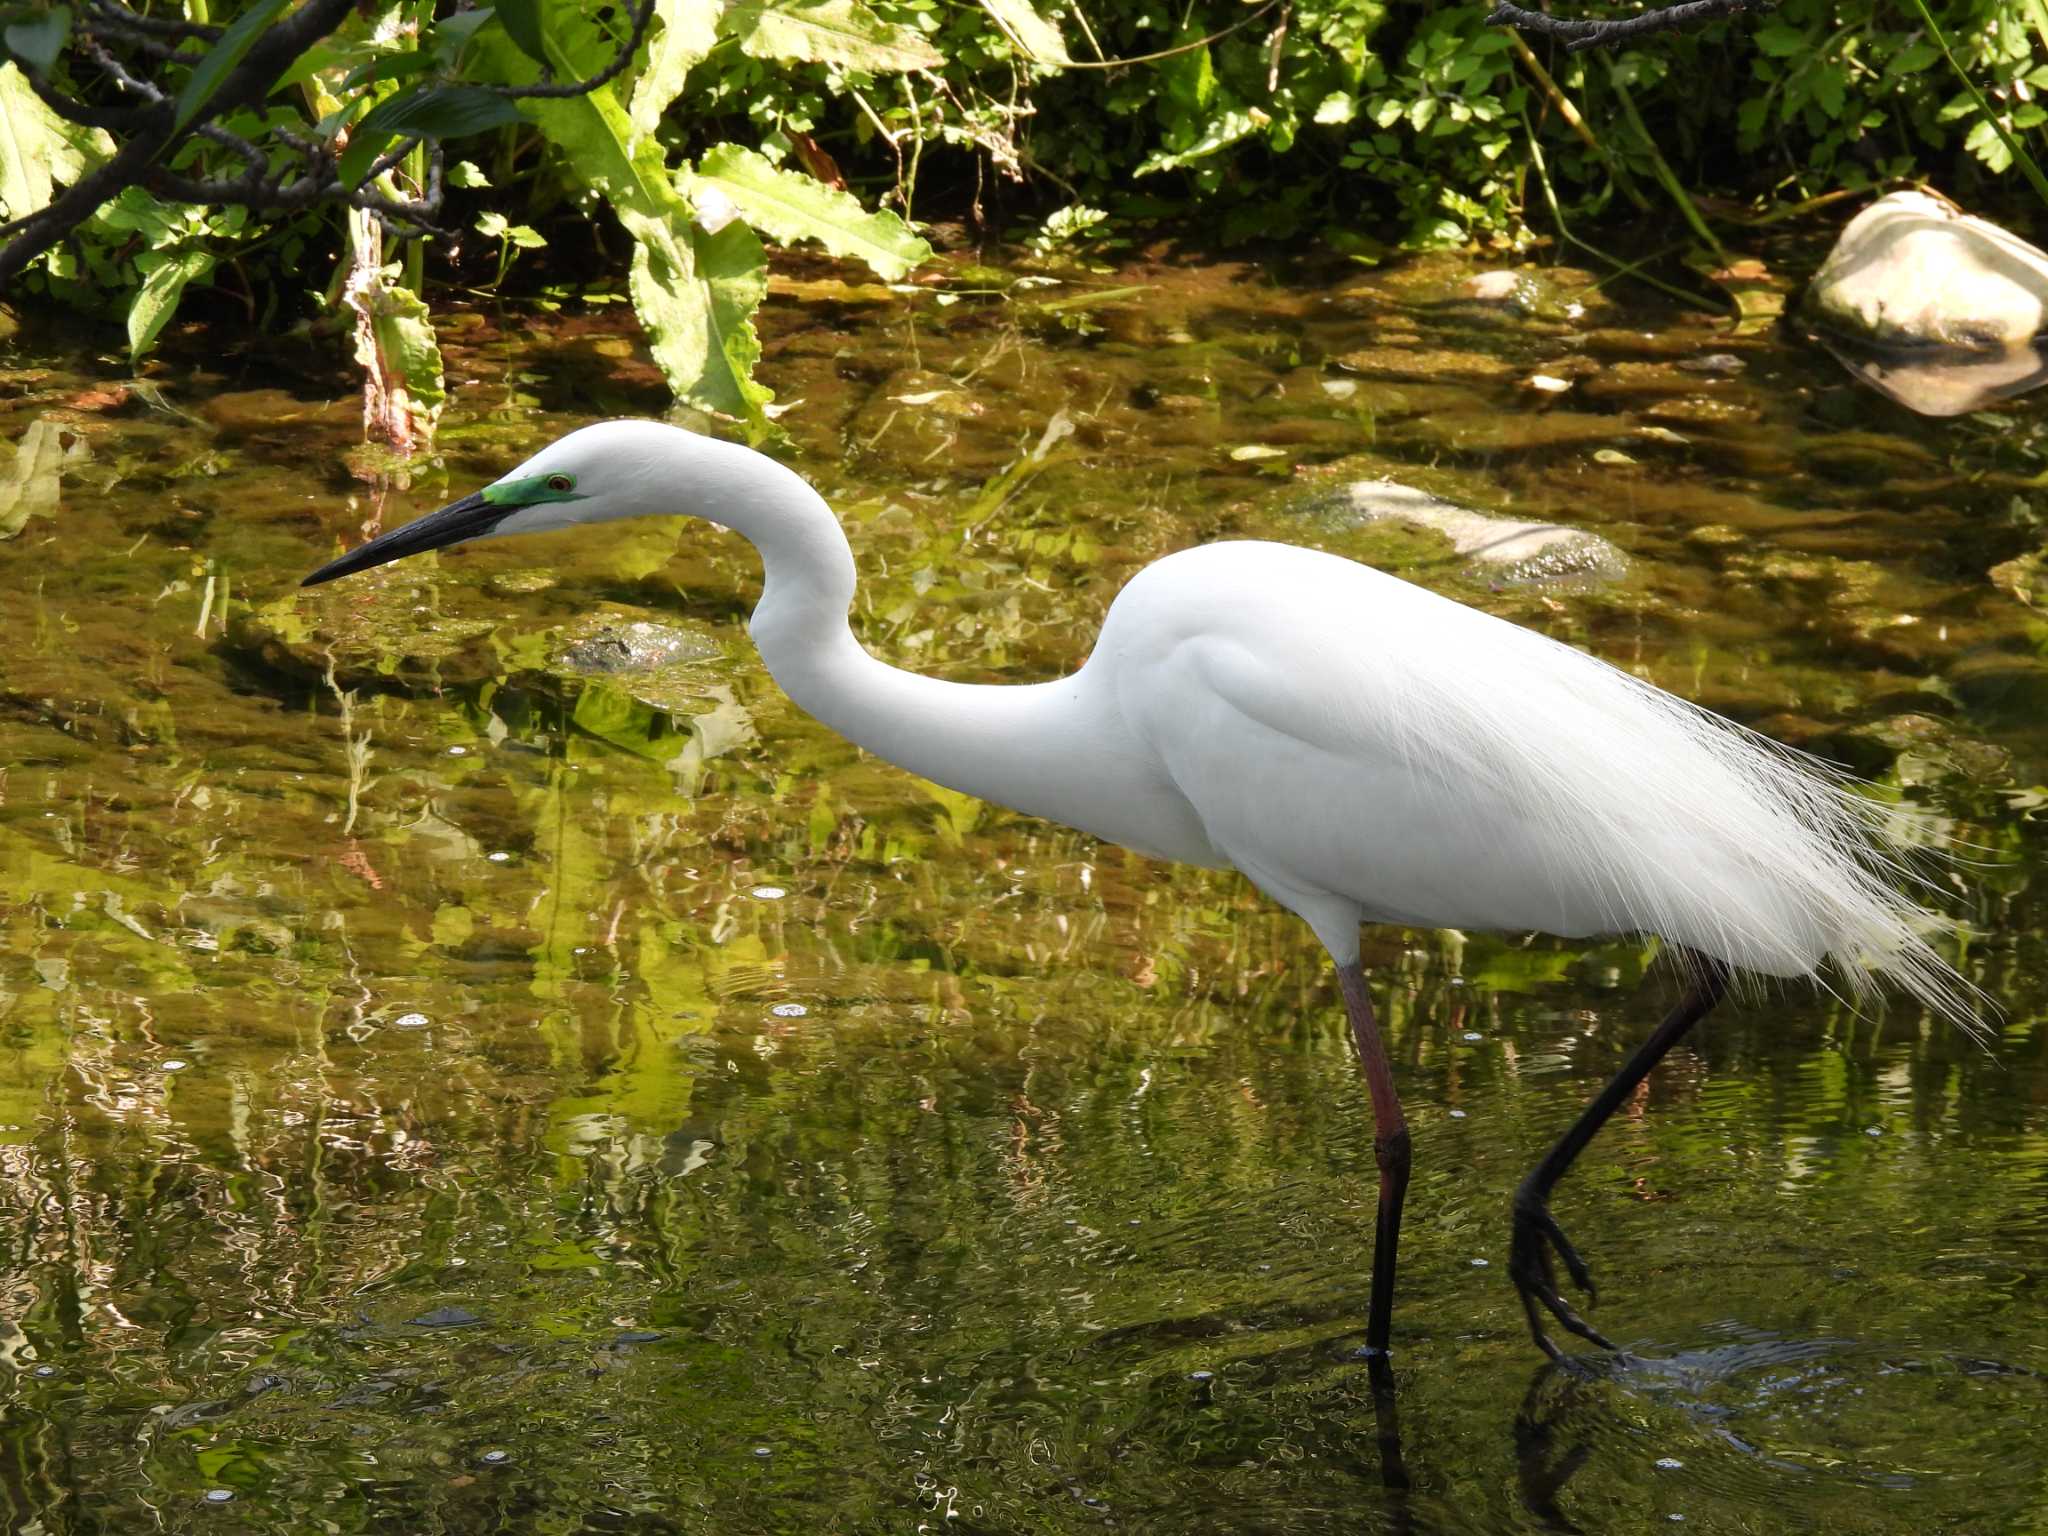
(1361, 749)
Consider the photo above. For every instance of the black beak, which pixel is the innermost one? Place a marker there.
(468, 518)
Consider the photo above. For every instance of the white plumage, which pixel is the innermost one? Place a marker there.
(1362, 749)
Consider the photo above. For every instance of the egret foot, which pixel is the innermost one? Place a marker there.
(1536, 1236)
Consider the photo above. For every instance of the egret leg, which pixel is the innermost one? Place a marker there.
(1536, 1234)
(1390, 1149)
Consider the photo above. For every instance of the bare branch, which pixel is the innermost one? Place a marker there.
(290, 197)
(84, 113)
(253, 157)
(153, 133)
(1578, 35)
(119, 18)
(150, 134)
(116, 71)
(390, 158)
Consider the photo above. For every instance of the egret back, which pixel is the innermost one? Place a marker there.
(1361, 747)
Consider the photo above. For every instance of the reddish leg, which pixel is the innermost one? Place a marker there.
(1390, 1147)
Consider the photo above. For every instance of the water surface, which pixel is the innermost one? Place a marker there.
(459, 1079)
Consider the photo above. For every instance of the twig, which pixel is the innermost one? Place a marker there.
(86, 114)
(1621, 268)
(1579, 35)
(1275, 45)
(154, 134)
(1569, 111)
(1666, 177)
(254, 158)
(1180, 48)
(543, 89)
(390, 158)
(95, 50)
(120, 18)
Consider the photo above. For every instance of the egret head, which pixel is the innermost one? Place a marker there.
(596, 474)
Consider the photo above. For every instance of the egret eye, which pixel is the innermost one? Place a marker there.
(561, 483)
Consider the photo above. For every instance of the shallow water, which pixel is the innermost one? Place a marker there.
(459, 1079)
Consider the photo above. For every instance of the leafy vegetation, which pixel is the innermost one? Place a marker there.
(409, 147)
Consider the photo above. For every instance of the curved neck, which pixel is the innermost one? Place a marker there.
(1024, 746)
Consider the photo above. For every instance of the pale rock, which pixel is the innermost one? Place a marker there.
(1502, 548)
(1913, 270)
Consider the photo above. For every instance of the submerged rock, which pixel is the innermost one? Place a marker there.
(609, 645)
(1913, 270)
(1500, 548)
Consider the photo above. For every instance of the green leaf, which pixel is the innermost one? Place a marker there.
(164, 280)
(1957, 106)
(219, 61)
(521, 21)
(1038, 39)
(688, 29)
(440, 112)
(41, 38)
(1782, 42)
(1190, 78)
(790, 206)
(466, 174)
(695, 293)
(141, 212)
(451, 34)
(1224, 131)
(403, 389)
(700, 315)
(386, 66)
(842, 32)
(1912, 58)
(428, 111)
(1337, 107)
(408, 351)
(38, 148)
(1221, 134)
(1830, 87)
(1988, 146)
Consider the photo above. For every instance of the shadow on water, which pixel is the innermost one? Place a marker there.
(473, 1058)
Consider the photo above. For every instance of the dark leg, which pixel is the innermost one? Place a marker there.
(1390, 1147)
(1536, 1232)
